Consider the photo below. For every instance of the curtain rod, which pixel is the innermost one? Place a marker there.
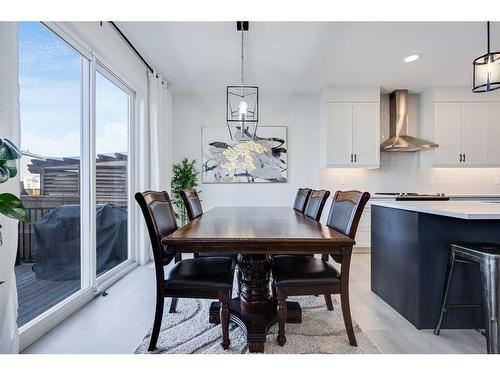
(131, 46)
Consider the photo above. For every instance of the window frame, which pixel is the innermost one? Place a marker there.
(91, 285)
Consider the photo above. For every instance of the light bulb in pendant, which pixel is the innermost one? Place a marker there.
(243, 106)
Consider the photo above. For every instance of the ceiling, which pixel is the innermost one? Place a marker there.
(304, 57)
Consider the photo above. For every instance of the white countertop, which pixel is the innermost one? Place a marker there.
(452, 196)
(470, 210)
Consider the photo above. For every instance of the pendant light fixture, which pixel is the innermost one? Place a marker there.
(242, 102)
(486, 69)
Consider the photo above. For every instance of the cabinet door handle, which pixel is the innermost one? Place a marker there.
(355, 158)
(351, 158)
(464, 158)
(460, 157)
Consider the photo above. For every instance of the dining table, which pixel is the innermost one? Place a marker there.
(255, 234)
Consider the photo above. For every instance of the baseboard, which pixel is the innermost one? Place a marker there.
(361, 250)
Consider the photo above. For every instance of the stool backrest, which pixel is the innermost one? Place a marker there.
(192, 202)
(301, 199)
(316, 203)
(346, 210)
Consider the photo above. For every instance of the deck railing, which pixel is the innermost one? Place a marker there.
(26, 233)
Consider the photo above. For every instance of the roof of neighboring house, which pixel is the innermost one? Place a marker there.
(38, 162)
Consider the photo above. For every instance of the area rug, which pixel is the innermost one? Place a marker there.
(321, 332)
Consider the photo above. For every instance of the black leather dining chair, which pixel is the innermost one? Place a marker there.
(208, 278)
(312, 209)
(194, 210)
(298, 275)
(301, 199)
(316, 203)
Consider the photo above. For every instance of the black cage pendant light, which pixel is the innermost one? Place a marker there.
(486, 69)
(242, 102)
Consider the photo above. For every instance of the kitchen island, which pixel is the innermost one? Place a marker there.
(410, 244)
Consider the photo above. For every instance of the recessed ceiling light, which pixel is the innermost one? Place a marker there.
(411, 58)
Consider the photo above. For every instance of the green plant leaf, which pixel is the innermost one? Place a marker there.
(4, 174)
(11, 165)
(8, 150)
(11, 206)
(184, 176)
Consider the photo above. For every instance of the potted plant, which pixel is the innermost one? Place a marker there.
(185, 176)
(10, 205)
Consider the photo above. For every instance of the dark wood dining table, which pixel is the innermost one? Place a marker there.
(255, 233)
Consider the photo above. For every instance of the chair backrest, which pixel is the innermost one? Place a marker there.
(346, 210)
(160, 221)
(192, 202)
(316, 203)
(301, 199)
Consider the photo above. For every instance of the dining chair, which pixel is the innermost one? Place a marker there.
(301, 199)
(298, 276)
(192, 202)
(206, 278)
(316, 203)
(313, 202)
(194, 210)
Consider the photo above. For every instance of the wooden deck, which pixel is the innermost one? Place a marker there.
(36, 296)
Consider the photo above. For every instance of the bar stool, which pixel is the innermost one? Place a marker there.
(487, 256)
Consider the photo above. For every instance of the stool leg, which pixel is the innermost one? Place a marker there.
(489, 278)
(447, 283)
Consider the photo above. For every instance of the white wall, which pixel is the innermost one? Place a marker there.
(299, 112)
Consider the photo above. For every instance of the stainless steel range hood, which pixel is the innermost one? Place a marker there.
(399, 140)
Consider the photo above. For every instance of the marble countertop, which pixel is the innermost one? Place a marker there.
(470, 210)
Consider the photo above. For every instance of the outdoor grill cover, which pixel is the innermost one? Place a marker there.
(56, 244)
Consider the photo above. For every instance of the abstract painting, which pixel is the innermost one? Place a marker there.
(263, 159)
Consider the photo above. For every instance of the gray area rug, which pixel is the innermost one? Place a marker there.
(321, 332)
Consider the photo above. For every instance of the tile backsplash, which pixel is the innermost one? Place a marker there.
(400, 172)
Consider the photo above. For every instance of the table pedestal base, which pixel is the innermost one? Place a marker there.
(255, 322)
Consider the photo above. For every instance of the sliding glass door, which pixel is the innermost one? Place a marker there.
(76, 115)
(48, 264)
(111, 191)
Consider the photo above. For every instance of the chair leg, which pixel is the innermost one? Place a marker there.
(160, 300)
(173, 305)
(329, 302)
(346, 312)
(224, 321)
(344, 298)
(281, 318)
(447, 283)
(238, 279)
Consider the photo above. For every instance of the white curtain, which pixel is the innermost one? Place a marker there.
(154, 160)
(10, 129)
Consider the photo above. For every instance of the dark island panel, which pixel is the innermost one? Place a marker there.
(409, 259)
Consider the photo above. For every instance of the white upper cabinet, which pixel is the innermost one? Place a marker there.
(352, 127)
(447, 134)
(339, 137)
(474, 137)
(465, 126)
(366, 138)
(493, 142)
